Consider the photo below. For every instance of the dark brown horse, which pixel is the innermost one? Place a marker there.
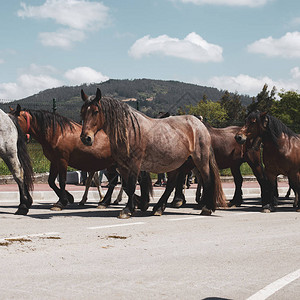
(229, 154)
(154, 145)
(281, 152)
(60, 140)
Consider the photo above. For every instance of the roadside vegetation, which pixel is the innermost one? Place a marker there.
(229, 109)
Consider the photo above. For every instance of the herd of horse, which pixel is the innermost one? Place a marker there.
(116, 137)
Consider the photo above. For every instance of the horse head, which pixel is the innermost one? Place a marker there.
(23, 117)
(92, 117)
(255, 124)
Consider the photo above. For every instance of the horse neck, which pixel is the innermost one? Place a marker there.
(39, 135)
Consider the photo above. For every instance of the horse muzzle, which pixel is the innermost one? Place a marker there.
(240, 138)
(87, 140)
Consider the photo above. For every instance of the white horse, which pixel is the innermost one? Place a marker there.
(14, 153)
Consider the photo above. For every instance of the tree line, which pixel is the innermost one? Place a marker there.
(229, 110)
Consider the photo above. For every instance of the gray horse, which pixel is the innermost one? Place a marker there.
(14, 153)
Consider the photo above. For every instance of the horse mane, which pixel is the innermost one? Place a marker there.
(23, 156)
(275, 127)
(119, 116)
(207, 125)
(48, 120)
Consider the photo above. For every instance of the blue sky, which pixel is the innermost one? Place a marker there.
(236, 45)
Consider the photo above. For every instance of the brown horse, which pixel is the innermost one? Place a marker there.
(154, 145)
(229, 154)
(60, 140)
(281, 152)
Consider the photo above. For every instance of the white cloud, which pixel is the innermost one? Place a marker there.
(84, 75)
(38, 78)
(77, 17)
(249, 3)
(288, 46)
(245, 84)
(192, 47)
(62, 38)
(27, 85)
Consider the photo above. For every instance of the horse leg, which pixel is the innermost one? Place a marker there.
(96, 180)
(160, 206)
(112, 176)
(87, 186)
(119, 197)
(199, 187)
(179, 198)
(64, 196)
(237, 199)
(142, 202)
(295, 185)
(25, 198)
(268, 197)
(129, 185)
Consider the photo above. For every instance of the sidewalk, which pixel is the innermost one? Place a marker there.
(42, 191)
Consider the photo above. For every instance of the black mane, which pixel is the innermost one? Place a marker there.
(47, 120)
(275, 128)
(118, 117)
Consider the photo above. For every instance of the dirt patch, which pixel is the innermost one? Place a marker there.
(50, 237)
(117, 237)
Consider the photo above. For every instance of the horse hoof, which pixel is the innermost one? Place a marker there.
(268, 209)
(176, 203)
(22, 211)
(56, 208)
(234, 204)
(143, 206)
(206, 212)
(158, 212)
(102, 206)
(71, 200)
(81, 204)
(125, 214)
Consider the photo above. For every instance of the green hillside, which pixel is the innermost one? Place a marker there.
(149, 96)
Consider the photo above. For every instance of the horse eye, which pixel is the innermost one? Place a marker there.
(95, 112)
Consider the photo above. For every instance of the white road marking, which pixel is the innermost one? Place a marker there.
(28, 236)
(275, 286)
(116, 225)
(186, 218)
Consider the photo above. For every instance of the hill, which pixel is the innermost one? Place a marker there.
(149, 96)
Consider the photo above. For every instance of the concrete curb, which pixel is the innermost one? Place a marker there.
(50, 196)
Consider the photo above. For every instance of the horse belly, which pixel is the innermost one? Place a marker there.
(161, 162)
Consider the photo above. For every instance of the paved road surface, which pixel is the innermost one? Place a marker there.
(85, 253)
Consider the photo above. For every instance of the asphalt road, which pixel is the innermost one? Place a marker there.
(85, 253)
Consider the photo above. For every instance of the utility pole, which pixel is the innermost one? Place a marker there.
(54, 106)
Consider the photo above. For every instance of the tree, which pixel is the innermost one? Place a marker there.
(212, 112)
(264, 100)
(287, 109)
(236, 112)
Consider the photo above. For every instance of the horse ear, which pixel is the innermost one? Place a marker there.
(264, 119)
(18, 110)
(11, 110)
(84, 97)
(98, 95)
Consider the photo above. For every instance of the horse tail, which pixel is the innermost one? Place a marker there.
(218, 193)
(24, 157)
